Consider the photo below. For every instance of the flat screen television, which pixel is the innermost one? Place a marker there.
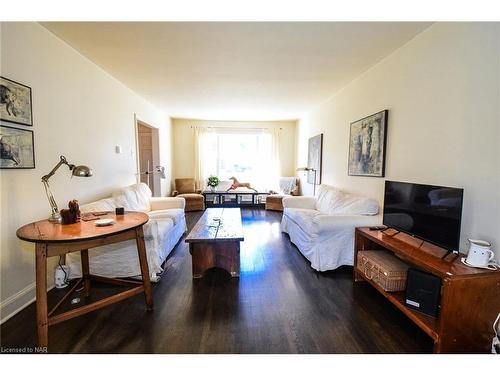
(431, 213)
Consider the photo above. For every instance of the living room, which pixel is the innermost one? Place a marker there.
(258, 196)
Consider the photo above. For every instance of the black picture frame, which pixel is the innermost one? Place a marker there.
(363, 143)
(2, 166)
(3, 98)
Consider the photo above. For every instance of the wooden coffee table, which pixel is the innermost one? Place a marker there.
(57, 239)
(215, 241)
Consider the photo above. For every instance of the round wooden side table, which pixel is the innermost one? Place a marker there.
(58, 239)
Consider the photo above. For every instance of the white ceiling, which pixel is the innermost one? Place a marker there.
(235, 71)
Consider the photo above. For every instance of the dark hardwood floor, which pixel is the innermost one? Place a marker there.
(278, 305)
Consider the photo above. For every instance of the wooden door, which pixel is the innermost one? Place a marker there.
(146, 166)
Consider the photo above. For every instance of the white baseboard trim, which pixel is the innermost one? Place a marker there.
(17, 302)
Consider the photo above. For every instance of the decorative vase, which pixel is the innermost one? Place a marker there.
(212, 188)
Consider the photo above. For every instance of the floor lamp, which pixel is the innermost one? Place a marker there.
(307, 169)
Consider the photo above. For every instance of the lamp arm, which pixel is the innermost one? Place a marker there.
(45, 180)
(50, 197)
(62, 161)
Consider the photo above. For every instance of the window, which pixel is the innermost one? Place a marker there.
(244, 154)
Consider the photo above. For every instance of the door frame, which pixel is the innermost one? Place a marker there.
(155, 139)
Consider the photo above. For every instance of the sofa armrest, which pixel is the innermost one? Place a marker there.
(164, 203)
(326, 223)
(299, 202)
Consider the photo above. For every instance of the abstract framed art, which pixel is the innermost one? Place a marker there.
(367, 144)
(17, 149)
(15, 102)
(314, 156)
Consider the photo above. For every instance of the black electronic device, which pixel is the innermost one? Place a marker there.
(423, 292)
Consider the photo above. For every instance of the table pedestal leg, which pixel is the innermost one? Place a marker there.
(143, 261)
(41, 295)
(85, 271)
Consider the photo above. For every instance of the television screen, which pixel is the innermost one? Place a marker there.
(432, 213)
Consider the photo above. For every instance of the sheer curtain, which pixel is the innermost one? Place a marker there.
(268, 174)
(204, 151)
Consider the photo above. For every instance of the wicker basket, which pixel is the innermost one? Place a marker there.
(384, 269)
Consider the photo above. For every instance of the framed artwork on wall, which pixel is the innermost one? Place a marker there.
(15, 102)
(314, 157)
(367, 144)
(17, 149)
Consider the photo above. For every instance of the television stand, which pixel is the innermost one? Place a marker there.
(456, 253)
(470, 297)
(390, 231)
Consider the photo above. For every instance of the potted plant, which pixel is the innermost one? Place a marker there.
(213, 182)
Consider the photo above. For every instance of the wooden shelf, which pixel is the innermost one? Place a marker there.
(470, 297)
(427, 323)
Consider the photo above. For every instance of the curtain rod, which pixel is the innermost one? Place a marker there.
(232, 127)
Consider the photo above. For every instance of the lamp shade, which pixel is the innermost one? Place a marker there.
(81, 171)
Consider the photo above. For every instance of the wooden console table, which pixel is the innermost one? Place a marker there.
(216, 243)
(470, 297)
(57, 239)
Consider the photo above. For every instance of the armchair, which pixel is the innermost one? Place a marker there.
(186, 188)
(289, 186)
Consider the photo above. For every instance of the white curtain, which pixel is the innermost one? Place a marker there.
(205, 163)
(270, 159)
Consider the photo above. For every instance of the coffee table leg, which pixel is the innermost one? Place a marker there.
(41, 295)
(85, 271)
(143, 261)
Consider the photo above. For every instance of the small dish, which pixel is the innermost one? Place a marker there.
(104, 222)
(491, 267)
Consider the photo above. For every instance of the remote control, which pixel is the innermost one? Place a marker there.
(379, 227)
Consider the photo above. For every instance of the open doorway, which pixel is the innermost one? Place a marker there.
(148, 156)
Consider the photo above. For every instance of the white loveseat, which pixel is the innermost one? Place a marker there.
(165, 227)
(322, 228)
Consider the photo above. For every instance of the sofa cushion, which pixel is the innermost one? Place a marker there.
(134, 197)
(191, 196)
(333, 201)
(107, 204)
(174, 214)
(328, 199)
(306, 219)
(333, 224)
(355, 205)
(287, 185)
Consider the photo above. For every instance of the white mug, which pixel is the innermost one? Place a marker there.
(480, 254)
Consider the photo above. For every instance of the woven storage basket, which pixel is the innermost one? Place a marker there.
(384, 269)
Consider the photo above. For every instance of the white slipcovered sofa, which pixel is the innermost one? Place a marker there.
(165, 227)
(322, 228)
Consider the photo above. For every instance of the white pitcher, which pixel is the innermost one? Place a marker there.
(480, 254)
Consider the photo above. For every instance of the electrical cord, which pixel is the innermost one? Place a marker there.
(62, 268)
(495, 345)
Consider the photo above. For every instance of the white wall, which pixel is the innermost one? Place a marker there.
(184, 146)
(79, 111)
(442, 92)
